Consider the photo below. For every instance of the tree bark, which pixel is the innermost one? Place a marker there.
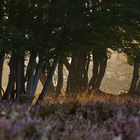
(30, 75)
(71, 81)
(13, 93)
(86, 73)
(82, 79)
(37, 76)
(43, 79)
(60, 79)
(138, 87)
(135, 77)
(67, 64)
(78, 73)
(94, 72)
(19, 76)
(103, 64)
(2, 55)
(12, 78)
(48, 81)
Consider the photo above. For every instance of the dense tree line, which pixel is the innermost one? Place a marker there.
(54, 33)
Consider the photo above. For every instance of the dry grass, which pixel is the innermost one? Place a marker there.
(96, 97)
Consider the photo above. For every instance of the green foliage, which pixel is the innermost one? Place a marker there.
(92, 24)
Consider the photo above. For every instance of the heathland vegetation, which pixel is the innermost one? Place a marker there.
(50, 34)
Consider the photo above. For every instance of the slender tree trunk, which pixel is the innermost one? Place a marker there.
(138, 87)
(82, 79)
(13, 93)
(23, 76)
(86, 73)
(103, 64)
(12, 78)
(31, 70)
(95, 71)
(43, 79)
(49, 79)
(135, 77)
(2, 55)
(60, 79)
(71, 81)
(19, 76)
(67, 64)
(37, 76)
(29, 66)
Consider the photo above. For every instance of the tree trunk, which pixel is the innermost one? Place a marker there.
(138, 87)
(37, 76)
(94, 72)
(30, 75)
(135, 77)
(82, 75)
(2, 55)
(78, 73)
(19, 76)
(86, 73)
(71, 81)
(48, 81)
(43, 79)
(23, 76)
(60, 79)
(103, 64)
(67, 64)
(13, 93)
(12, 78)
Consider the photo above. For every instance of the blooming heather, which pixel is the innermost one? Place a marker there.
(70, 121)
